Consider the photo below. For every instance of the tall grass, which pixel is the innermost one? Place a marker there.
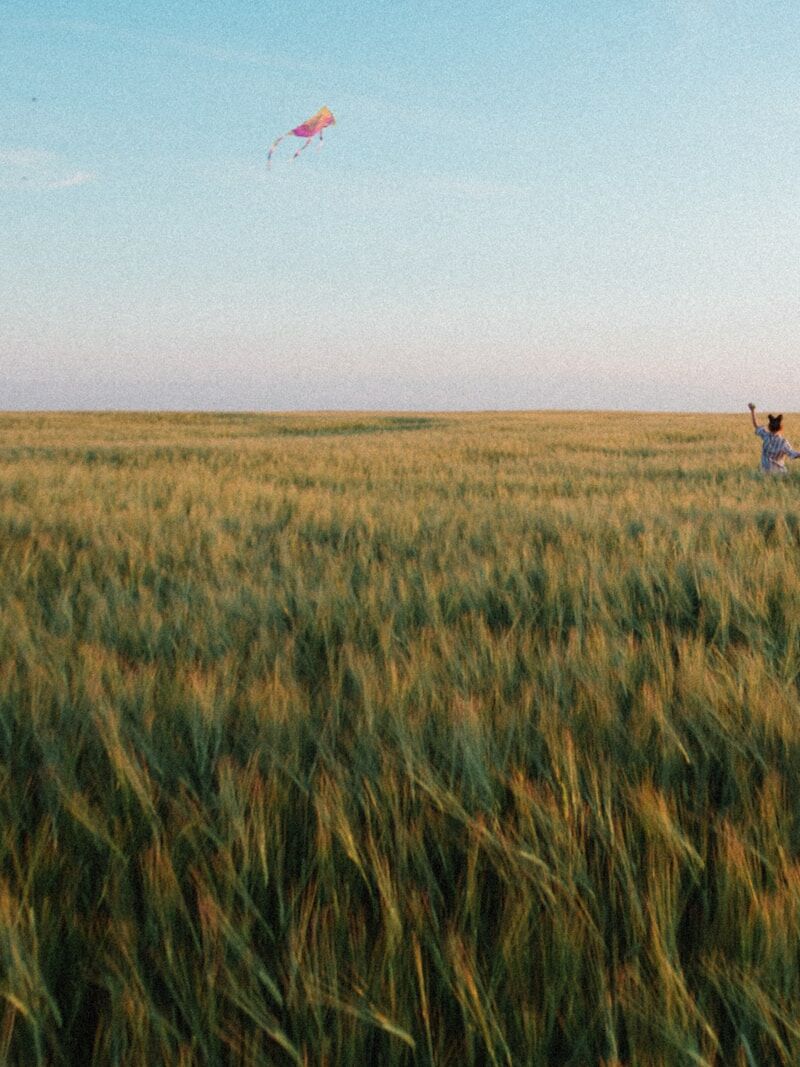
(395, 740)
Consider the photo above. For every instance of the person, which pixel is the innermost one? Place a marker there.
(774, 447)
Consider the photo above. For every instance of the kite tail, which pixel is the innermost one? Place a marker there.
(273, 146)
(302, 148)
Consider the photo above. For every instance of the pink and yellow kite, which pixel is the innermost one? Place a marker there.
(309, 129)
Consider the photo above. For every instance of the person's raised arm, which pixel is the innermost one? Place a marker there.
(753, 414)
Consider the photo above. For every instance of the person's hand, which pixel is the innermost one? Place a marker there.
(752, 407)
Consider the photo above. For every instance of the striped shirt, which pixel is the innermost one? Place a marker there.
(774, 450)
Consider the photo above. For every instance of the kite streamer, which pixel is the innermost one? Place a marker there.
(309, 129)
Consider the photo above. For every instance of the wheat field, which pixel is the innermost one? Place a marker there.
(453, 739)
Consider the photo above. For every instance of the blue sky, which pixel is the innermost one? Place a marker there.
(563, 204)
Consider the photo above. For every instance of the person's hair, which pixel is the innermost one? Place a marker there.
(775, 423)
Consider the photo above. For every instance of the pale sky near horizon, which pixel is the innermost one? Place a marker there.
(576, 203)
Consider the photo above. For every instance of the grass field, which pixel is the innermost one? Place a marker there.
(370, 739)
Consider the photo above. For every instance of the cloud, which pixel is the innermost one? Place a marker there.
(32, 168)
(80, 177)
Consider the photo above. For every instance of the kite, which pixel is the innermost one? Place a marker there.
(308, 129)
